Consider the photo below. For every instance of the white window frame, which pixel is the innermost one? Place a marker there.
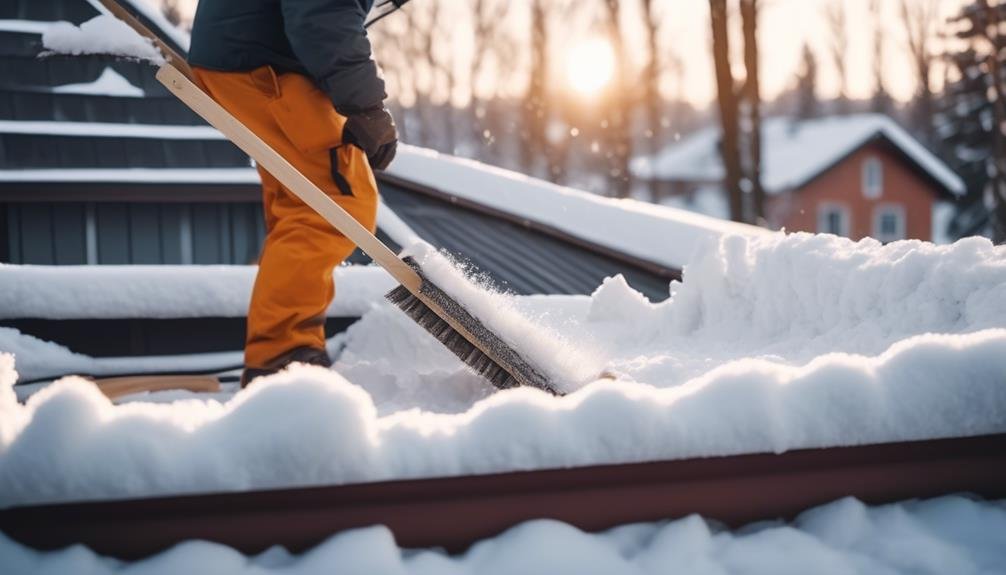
(873, 189)
(897, 210)
(826, 208)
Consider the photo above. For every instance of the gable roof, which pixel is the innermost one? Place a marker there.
(794, 152)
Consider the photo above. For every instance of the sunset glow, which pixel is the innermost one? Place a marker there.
(590, 65)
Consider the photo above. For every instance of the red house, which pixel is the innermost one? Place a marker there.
(856, 176)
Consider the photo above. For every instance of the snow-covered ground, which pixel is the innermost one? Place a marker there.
(935, 537)
(771, 343)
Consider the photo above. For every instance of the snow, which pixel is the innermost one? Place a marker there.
(151, 10)
(109, 83)
(25, 26)
(136, 175)
(771, 343)
(39, 359)
(111, 130)
(135, 291)
(951, 534)
(793, 152)
(659, 234)
(566, 364)
(103, 34)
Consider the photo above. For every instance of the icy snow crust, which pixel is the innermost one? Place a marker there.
(935, 537)
(103, 34)
(771, 343)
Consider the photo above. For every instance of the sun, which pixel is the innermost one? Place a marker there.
(590, 65)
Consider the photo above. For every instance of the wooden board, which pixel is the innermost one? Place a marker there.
(114, 387)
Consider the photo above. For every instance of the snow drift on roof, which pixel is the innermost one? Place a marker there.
(772, 343)
(110, 130)
(951, 534)
(138, 291)
(151, 11)
(109, 83)
(103, 34)
(659, 234)
(793, 152)
(135, 175)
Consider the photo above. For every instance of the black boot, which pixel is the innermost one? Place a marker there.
(308, 355)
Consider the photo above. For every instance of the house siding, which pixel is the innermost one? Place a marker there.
(843, 184)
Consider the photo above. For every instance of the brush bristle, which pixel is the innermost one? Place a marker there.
(515, 370)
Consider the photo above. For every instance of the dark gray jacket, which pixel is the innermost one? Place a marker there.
(324, 39)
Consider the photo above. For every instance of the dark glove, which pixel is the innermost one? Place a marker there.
(374, 132)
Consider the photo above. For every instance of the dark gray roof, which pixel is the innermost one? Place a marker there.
(518, 257)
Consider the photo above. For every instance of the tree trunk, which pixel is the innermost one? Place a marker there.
(727, 99)
(651, 86)
(533, 144)
(752, 92)
(619, 123)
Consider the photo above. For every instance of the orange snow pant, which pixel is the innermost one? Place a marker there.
(294, 286)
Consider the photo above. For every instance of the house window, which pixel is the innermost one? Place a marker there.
(833, 219)
(889, 223)
(873, 178)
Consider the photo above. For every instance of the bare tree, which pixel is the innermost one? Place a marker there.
(752, 100)
(919, 18)
(806, 85)
(172, 11)
(619, 117)
(487, 16)
(651, 76)
(881, 102)
(834, 13)
(727, 99)
(536, 105)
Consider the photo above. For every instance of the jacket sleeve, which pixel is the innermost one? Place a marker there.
(328, 37)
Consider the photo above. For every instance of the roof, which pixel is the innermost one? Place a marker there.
(96, 127)
(794, 152)
(735, 490)
(662, 235)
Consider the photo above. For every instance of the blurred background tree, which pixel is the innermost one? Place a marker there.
(574, 91)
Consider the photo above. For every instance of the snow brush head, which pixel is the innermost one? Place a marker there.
(467, 337)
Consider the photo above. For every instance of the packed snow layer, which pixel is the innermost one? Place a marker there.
(935, 537)
(772, 343)
(103, 34)
(105, 292)
(660, 234)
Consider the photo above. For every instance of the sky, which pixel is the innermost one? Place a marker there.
(784, 27)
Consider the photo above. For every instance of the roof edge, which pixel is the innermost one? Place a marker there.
(736, 489)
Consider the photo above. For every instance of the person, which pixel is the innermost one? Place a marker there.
(299, 73)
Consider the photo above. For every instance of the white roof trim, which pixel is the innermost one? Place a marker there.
(25, 26)
(136, 175)
(110, 130)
